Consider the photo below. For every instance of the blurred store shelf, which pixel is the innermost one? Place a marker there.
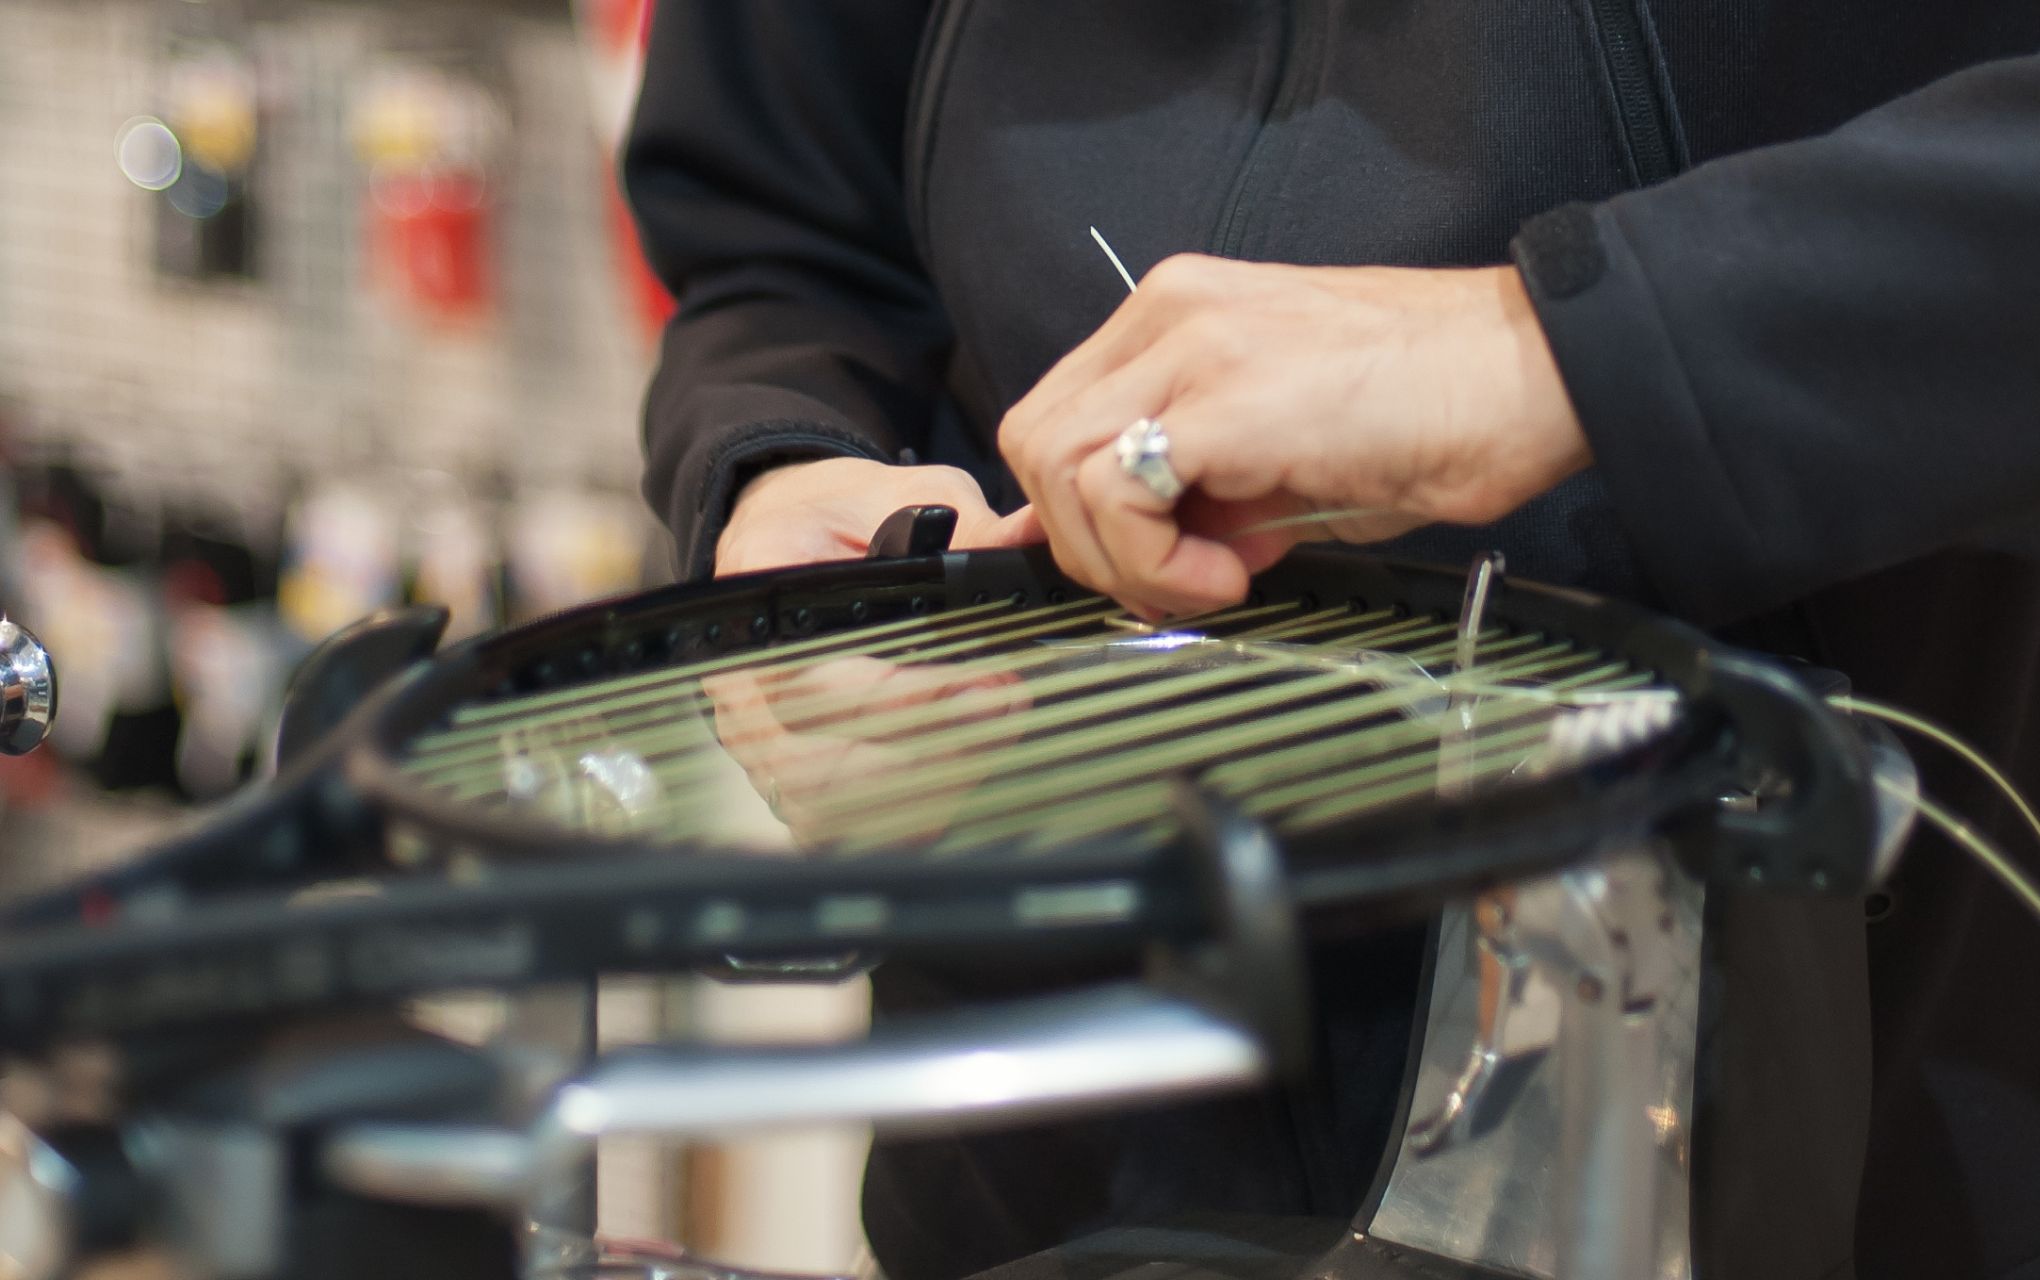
(306, 308)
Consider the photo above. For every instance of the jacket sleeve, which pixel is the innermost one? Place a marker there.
(764, 170)
(1802, 363)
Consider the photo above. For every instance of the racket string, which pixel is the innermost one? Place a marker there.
(1005, 725)
(468, 769)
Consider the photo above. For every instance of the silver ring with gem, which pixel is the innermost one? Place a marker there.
(1144, 454)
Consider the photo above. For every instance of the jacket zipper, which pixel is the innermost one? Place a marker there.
(923, 99)
(1232, 228)
(1640, 108)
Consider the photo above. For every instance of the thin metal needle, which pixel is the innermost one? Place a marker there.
(1117, 265)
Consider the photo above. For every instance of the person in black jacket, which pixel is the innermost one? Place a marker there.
(1732, 307)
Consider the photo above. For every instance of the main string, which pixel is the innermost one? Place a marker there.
(898, 797)
(658, 743)
(1994, 859)
(625, 719)
(1167, 740)
(1365, 764)
(1308, 714)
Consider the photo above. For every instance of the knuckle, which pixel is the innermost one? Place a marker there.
(1016, 436)
(1176, 276)
(954, 479)
(1020, 421)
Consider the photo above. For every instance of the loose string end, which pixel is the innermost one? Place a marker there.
(1117, 265)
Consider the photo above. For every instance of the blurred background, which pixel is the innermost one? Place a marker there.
(308, 308)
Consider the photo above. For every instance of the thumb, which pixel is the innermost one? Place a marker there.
(1022, 528)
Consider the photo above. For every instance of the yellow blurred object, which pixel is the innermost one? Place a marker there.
(397, 126)
(414, 116)
(212, 109)
(216, 125)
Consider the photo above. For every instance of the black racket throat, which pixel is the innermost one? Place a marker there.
(218, 925)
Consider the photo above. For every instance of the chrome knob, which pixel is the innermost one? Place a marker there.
(28, 690)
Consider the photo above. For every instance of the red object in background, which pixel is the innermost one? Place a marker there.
(613, 34)
(620, 24)
(647, 295)
(432, 239)
(655, 304)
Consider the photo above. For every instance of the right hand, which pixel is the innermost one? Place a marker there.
(828, 509)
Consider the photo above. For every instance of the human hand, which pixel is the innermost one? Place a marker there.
(821, 741)
(828, 509)
(1406, 397)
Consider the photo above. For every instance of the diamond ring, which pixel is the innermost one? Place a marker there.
(1144, 454)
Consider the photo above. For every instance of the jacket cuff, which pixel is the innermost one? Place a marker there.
(712, 476)
(1671, 489)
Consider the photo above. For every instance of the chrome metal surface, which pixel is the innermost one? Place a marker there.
(28, 690)
(1556, 1080)
(36, 1185)
(554, 1255)
(736, 970)
(1481, 577)
(1050, 1057)
(1897, 789)
(431, 1165)
(1518, 1021)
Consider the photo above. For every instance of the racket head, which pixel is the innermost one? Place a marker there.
(1692, 733)
(218, 924)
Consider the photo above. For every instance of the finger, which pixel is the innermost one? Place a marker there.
(1021, 529)
(1180, 554)
(744, 724)
(1047, 462)
(1172, 552)
(1174, 288)
(1264, 530)
(1074, 542)
(798, 539)
(1237, 524)
(1161, 568)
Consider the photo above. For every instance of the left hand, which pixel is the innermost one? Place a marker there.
(1416, 395)
(813, 737)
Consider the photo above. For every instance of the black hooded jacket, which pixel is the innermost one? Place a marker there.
(1788, 257)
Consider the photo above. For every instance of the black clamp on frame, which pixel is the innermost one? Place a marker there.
(1251, 967)
(913, 531)
(1806, 816)
(349, 665)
